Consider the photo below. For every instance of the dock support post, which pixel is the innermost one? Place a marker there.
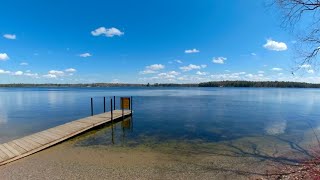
(114, 102)
(122, 108)
(131, 105)
(104, 104)
(91, 107)
(111, 109)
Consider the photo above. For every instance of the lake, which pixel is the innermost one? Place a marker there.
(244, 125)
(162, 114)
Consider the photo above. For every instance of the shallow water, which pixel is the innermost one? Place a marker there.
(206, 115)
(175, 133)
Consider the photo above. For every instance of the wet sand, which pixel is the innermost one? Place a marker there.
(68, 162)
(245, 158)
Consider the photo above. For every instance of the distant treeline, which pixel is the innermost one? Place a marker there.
(277, 84)
(74, 85)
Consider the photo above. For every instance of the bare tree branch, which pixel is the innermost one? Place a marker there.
(307, 14)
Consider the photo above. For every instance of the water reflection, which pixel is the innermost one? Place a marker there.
(3, 114)
(111, 134)
(276, 127)
(164, 114)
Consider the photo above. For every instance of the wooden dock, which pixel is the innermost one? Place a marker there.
(33, 143)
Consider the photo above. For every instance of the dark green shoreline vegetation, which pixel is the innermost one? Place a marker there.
(256, 84)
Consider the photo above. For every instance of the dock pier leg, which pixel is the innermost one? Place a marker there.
(131, 105)
(111, 109)
(104, 104)
(91, 107)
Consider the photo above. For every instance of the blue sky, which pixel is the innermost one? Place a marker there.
(144, 41)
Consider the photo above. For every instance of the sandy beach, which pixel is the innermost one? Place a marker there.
(248, 158)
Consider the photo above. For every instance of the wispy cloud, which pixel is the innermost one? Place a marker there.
(4, 71)
(70, 70)
(108, 32)
(154, 68)
(50, 76)
(10, 36)
(275, 46)
(18, 73)
(201, 73)
(4, 56)
(219, 60)
(24, 64)
(306, 66)
(190, 67)
(276, 69)
(178, 61)
(190, 51)
(84, 55)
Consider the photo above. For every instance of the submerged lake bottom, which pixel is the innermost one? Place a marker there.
(183, 133)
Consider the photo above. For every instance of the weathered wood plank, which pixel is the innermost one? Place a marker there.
(38, 140)
(31, 143)
(50, 135)
(16, 147)
(11, 149)
(22, 144)
(3, 156)
(27, 145)
(38, 135)
(6, 151)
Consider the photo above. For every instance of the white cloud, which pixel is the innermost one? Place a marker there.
(154, 68)
(50, 76)
(4, 71)
(219, 60)
(201, 73)
(56, 72)
(18, 73)
(84, 55)
(276, 69)
(4, 56)
(108, 32)
(190, 67)
(33, 75)
(166, 76)
(24, 64)
(190, 51)
(310, 71)
(253, 54)
(10, 36)
(275, 46)
(147, 71)
(261, 72)
(175, 73)
(306, 66)
(203, 65)
(70, 70)
(178, 61)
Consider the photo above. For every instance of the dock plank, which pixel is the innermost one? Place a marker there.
(3, 156)
(6, 151)
(33, 143)
(16, 147)
(11, 149)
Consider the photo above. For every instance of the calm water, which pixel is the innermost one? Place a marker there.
(164, 114)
